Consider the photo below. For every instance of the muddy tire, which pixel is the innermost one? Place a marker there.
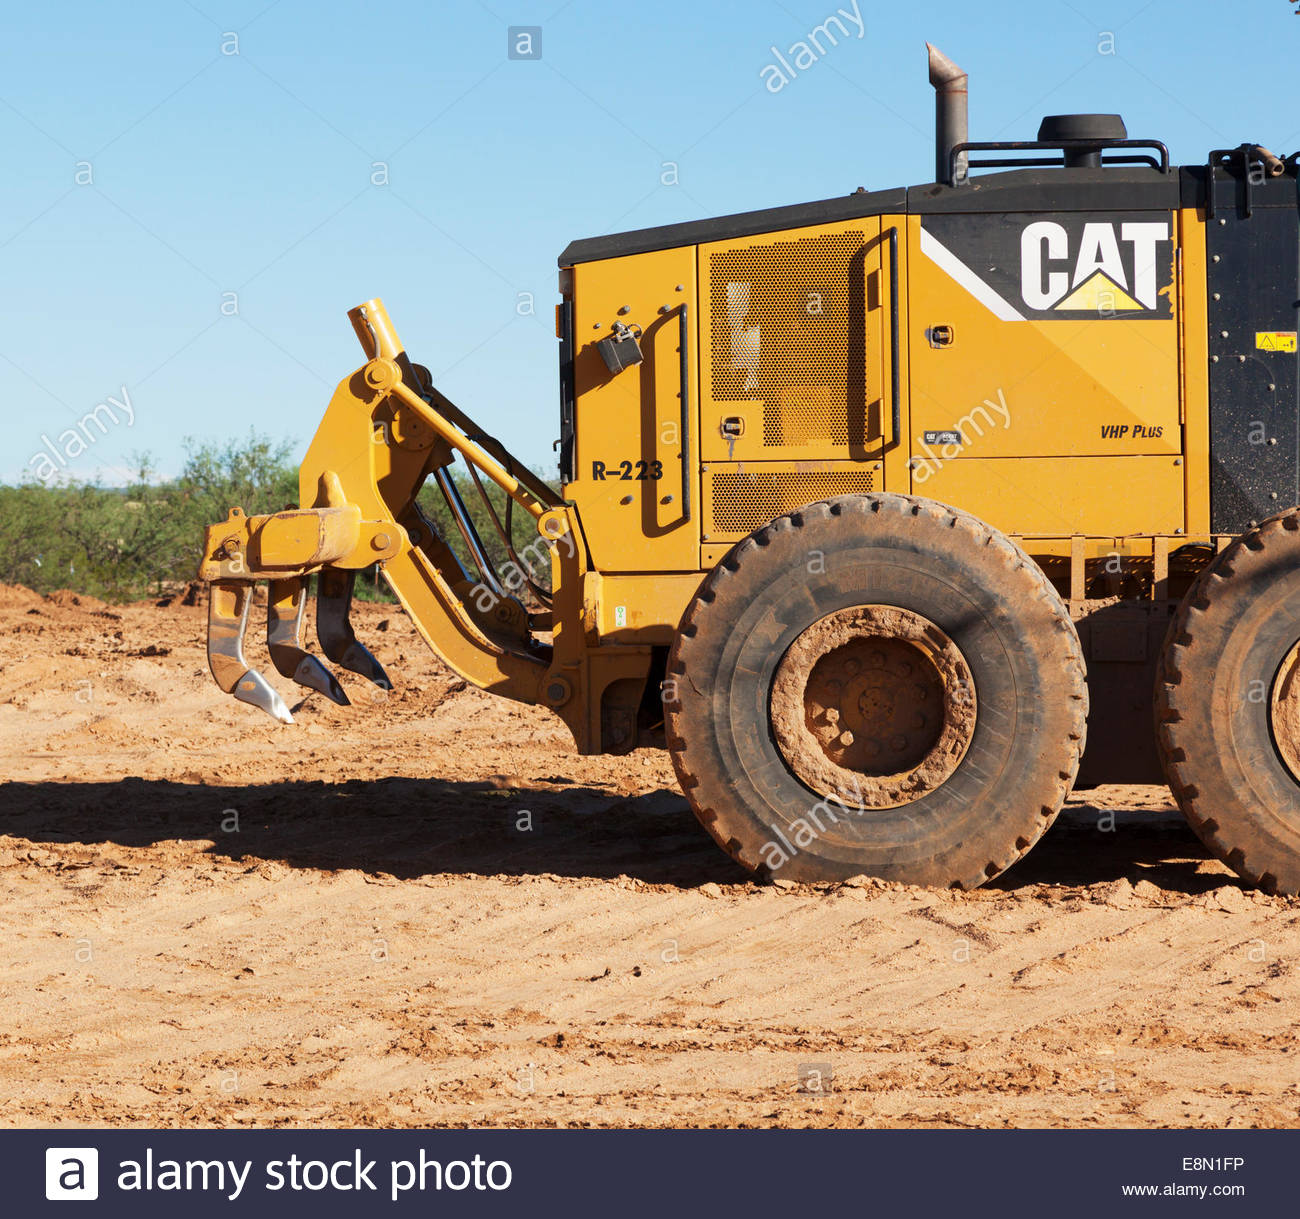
(1227, 705)
(880, 685)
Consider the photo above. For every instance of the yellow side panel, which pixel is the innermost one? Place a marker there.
(996, 359)
(1059, 496)
(638, 608)
(628, 456)
(790, 344)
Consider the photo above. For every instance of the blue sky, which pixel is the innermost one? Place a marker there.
(205, 173)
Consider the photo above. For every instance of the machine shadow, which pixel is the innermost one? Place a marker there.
(415, 827)
(1089, 846)
(400, 826)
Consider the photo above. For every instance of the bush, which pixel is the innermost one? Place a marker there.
(123, 543)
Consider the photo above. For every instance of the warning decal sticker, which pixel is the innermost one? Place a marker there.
(1276, 340)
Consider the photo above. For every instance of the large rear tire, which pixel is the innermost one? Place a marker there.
(1228, 705)
(876, 684)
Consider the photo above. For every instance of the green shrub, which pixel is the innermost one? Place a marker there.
(124, 543)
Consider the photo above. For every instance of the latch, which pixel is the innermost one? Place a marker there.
(940, 336)
(732, 427)
(621, 349)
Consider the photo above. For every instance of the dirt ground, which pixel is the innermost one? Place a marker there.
(425, 910)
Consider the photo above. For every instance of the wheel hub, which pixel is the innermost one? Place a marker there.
(873, 706)
(1284, 711)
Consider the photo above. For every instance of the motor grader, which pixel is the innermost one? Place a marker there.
(865, 502)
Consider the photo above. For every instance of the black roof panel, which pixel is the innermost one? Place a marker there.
(742, 224)
(1038, 189)
(1122, 187)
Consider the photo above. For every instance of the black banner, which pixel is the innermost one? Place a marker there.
(659, 1173)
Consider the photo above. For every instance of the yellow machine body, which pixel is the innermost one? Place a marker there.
(718, 375)
(1108, 447)
(788, 381)
(1088, 354)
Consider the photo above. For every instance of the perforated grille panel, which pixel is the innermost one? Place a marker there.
(740, 502)
(787, 324)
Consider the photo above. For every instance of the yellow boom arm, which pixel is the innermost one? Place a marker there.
(385, 432)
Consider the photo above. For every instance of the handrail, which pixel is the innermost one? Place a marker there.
(895, 345)
(684, 353)
(1063, 146)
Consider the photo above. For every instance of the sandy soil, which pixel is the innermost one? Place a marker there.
(210, 919)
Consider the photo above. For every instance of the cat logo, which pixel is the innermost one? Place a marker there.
(1073, 266)
(1095, 276)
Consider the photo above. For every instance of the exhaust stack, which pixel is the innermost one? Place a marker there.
(951, 115)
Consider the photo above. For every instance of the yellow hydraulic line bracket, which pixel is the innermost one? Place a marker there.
(385, 374)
